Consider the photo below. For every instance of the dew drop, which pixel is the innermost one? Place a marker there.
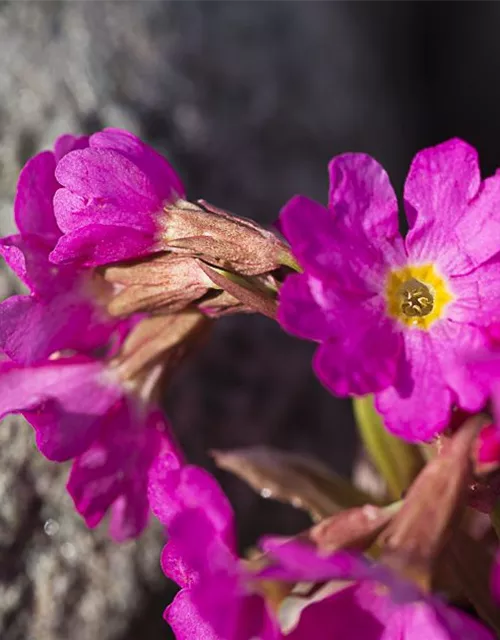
(68, 551)
(266, 492)
(51, 527)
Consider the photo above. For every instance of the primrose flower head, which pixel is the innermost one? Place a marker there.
(121, 200)
(393, 317)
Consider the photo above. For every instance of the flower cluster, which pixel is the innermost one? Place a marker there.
(118, 296)
(125, 277)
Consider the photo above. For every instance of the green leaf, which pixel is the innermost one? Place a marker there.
(397, 461)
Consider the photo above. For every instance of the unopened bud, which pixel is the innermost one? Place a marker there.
(221, 239)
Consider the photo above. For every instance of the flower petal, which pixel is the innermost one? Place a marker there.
(478, 232)
(63, 400)
(105, 187)
(186, 621)
(341, 614)
(437, 620)
(165, 180)
(476, 295)
(453, 342)
(440, 184)
(361, 354)
(309, 227)
(68, 142)
(113, 471)
(418, 406)
(13, 255)
(300, 561)
(190, 488)
(33, 210)
(298, 311)
(98, 244)
(361, 195)
(355, 242)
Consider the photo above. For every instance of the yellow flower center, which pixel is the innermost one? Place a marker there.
(417, 295)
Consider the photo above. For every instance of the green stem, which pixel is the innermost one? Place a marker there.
(397, 461)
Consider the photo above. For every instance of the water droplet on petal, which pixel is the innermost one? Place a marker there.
(266, 492)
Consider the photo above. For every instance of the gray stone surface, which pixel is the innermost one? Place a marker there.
(249, 100)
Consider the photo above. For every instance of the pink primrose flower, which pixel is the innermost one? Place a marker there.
(393, 316)
(111, 199)
(60, 368)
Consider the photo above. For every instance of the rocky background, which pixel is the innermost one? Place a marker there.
(249, 100)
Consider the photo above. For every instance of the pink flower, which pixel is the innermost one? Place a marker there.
(81, 411)
(112, 198)
(216, 601)
(392, 316)
(377, 606)
(64, 369)
(64, 309)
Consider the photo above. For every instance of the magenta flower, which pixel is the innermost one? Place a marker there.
(393, 316)
(216, 601)
(65, 309)
(112, 198)
(81, 410)
(63, 368)
(377, 606)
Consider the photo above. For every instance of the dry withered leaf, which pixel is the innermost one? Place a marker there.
(162, 339)
(355, 528)
(470, 561)
(292, 478)
(434, 504)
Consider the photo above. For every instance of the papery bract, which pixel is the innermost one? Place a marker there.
(394, 318)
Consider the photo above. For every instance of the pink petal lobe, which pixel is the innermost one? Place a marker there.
(440, 184)
(165, 180)
(98, 244)
(172, 490)
(361, 353)
(186, 621)
(104, 187)
(63, 400)
(68, 142)
(298, 311)
(33, 210)
(453, 341)
(113, 471)
(13, 255)
(362, 196)
(341, 614)
(418, 405)
(478, 232)
(476, 295)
